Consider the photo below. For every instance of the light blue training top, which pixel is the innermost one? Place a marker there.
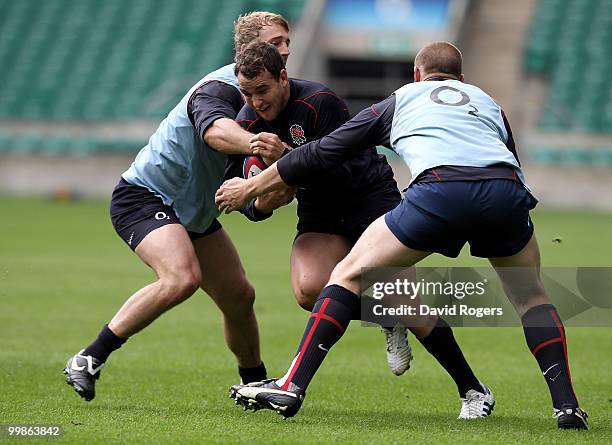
(179, 167)
(449, 123)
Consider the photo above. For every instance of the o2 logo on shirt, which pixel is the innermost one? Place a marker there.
(461, 98)
(297, 134)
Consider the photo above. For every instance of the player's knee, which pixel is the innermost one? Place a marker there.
(305, 299)
(525, 290)
(526, 294)
(181, 285)
(244, 294)
(306, 292)
(191, 283)
(237, 297)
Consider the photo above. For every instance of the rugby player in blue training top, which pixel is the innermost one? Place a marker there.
(467, 186)
(335, 208)
(163, 208)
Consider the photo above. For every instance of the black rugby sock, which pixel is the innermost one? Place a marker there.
(327, 323)
(256, 374)
(106, 343)
(545, 337)
(442, 345)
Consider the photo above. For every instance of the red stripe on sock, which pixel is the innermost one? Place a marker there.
(555, 317)
(305, 345)
(546, 343)
(330, 319)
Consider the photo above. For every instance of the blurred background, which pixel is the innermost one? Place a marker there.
(84, 83)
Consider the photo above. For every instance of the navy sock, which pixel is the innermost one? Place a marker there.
(545, 337)
(328, 321)
(106, 343)
(442, 345)
(255, 374)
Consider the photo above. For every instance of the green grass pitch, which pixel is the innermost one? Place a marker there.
(64, 272)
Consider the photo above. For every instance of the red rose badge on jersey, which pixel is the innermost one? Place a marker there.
(297, 134)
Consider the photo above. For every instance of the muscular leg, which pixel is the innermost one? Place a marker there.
(313, 257)
(377, 247)
(520, 276)
(543, 328)
(223, 278)
(339, 300)
(169, 252)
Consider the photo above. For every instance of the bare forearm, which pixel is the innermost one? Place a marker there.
(226, 136)
(235, 193)
(267, 181)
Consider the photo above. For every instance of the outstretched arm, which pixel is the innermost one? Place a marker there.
(368, 128)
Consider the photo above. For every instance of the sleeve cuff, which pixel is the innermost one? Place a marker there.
(253, 214)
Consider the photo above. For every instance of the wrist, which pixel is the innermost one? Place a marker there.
(260, 208)
(251, 188)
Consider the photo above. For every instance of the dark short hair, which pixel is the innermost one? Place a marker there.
(258, 57)
(441, 58)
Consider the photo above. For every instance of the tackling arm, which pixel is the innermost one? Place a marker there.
(237, 192)
(227, 136)
(211, 109)
(368, 128)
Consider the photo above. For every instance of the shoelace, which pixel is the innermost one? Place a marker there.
(392, 342)
(472, 405)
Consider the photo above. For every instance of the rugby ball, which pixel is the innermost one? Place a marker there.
(253, 165)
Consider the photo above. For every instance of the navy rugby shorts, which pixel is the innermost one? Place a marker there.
(350, 216)
(135, 212)
(491, 215)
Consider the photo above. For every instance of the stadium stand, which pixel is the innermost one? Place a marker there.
(597, 157)
(88, 61)
(570, 44)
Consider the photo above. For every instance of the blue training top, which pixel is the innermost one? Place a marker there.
(179, 167)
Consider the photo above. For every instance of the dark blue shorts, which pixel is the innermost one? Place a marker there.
(350, 216)
(136, 212)
(491, 215)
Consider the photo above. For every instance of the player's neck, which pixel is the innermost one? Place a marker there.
(286, 95)
(437, 77)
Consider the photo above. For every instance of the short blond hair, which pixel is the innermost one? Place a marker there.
(247, 27)
(439, 58)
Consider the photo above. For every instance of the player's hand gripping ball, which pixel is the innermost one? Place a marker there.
(253, 165)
